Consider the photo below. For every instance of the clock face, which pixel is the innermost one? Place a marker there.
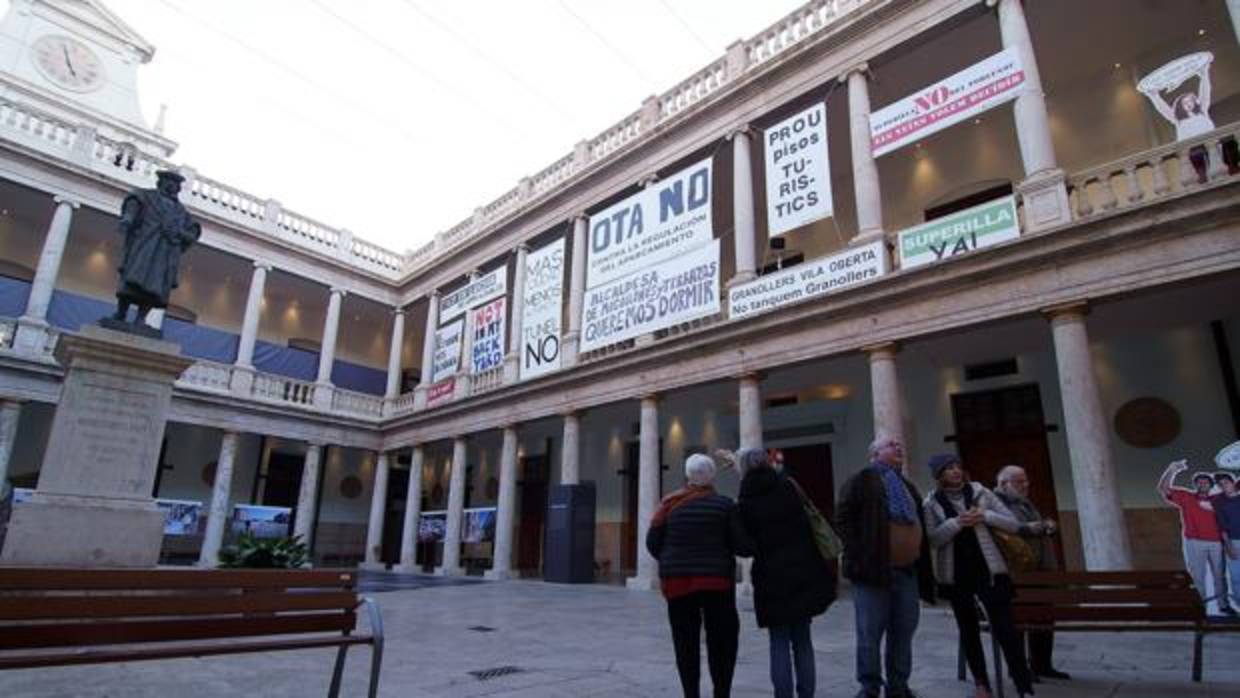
(68, 62)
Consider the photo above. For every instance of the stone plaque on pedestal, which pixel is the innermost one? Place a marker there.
(93, 505)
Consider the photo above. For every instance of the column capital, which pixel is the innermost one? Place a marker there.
(1072, 310)
(750, 375)
(574, 413)
(647, 180)
(578, 216)
(338, 290)
(523, 247)
(433, 295)
(66, 199)
(862, 69)
(510, 426)
(315, 444)
(740, 130)
(262, 264)
(398, 310)
(881, 350)
(649, 397)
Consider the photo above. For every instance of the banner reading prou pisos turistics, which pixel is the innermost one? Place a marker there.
(798, 177)
(662, 221)
(542, 305)
(681, 289)
(981, 86)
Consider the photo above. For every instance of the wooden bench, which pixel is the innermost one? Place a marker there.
(1110, 602)
(58, 617)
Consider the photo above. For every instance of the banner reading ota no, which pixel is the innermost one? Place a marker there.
(678, 290)
(975, 89)
(981, 226)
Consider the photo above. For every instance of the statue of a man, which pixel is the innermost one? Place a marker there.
(157, 230)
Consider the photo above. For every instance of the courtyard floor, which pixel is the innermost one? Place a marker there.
(608, 642)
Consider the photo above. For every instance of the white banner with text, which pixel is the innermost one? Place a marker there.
(982, 86)
(446, 359)
(679, 290)
(542, 306)
(488, 328)
(662, 221)
(492, 284)
(798, 175)
(814, 278)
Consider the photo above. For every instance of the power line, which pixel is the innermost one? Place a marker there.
(610, 46)
(498, 65)
(686, 25)
(361, 108)
(448, 87)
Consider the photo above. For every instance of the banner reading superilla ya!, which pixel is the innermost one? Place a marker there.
(975, 89)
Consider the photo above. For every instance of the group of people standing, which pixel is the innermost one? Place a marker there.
(1210, 523)
(898, 549)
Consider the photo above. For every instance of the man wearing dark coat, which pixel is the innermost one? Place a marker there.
(158, 230)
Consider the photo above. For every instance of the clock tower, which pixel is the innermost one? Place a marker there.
(78, 61)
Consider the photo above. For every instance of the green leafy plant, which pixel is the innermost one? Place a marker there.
(265, 553)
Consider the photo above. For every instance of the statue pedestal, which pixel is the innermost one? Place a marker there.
(93, 505)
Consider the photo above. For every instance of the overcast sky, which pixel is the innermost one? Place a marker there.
(396, 118)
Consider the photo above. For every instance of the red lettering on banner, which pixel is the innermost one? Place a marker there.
(972, 99)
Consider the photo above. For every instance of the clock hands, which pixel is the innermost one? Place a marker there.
(68, 61)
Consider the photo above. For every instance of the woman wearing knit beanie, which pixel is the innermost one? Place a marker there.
(970, 567)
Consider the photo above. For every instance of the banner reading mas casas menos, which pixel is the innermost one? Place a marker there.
(652, 260)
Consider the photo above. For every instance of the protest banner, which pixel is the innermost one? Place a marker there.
(976, 89)
(542, 306)
(681, 289)
(807, 280)
(973, 228)
(798, 175)
(446, 358)
(492, 284)
(662, 221)
(488, 324)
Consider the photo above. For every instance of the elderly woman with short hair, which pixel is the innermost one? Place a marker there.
(696, 535)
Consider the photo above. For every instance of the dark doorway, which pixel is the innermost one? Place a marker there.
(283, 480)
(811, 467)
(534, 483)
(1002, 427)
(394, 516)
(628, 528)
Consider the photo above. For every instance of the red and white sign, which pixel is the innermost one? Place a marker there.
(978, 88)
(441, 392)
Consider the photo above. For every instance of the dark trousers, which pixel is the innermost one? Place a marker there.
(717, 611)
(1041, 646)
(997, 600)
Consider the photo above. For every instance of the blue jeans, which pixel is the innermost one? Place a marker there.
(1233, 571)
(791, 643)
(894, 612)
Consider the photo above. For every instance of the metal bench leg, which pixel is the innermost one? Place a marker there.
(996, 650)
(1198, 638)
(376, 648)
(334, 691)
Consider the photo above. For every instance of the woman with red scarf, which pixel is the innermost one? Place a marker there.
(696, 535)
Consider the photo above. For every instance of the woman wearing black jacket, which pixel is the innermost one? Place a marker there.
(792, 582)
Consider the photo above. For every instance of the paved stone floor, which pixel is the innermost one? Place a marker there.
(608, 642)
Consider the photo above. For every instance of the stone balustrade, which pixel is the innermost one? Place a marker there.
(697, 87)
(1152, 174)
(8, 329)
(357, 404)
(207, 375)
(487, 381)
(797, 26)
(284, 390)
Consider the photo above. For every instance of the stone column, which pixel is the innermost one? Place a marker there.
(576, 291)
(253, 312)
(750, 411)
(378, 509)
(570, 456)
(885, 392)
(243, 373)
(512, 360)
(744, 231)
(865, 172)
(1043, 191)
(394, 351)
(155, 318)
(505, 515)
(648, 475)
(413, 511)
(1104, 536)
(331, 326)
(465, 373)
(307, 498)
(1233, 9)
(456, 511)
(31, 337)
(10, 415)
(428, 352)
(217, 519)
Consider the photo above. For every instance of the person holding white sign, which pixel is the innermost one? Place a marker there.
(1203, 547)
(1189, 112)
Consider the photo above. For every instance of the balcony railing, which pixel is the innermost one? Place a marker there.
(207, 375)
(8, 329)
(487, 381)
(357, 404)
(281, 389)
(1154, 174)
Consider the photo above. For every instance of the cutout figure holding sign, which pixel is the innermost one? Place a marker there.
(1188, 112)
